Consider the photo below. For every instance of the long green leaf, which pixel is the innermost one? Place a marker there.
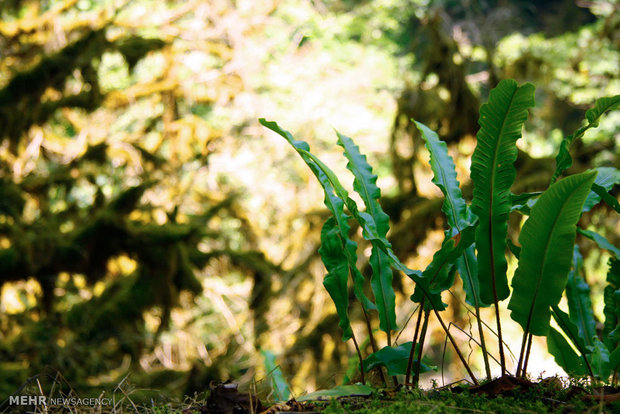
(358, 278)
(444, 177)
(564, 354)
(579, 303)
(335, 281)
(607, 177)
(365, 185)
(569, 328)
(455, 209)
(334, 203)
(563, 160)
(547, 238)
(467, 266)
(600, 241)
(381, 284)
(493, 172)
(606, 197)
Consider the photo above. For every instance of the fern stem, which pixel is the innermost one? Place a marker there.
(522, 354)
(413, 343)
(400, 332)
(585, 359)
(483, 346)
(527, 353)
(359, 355)
(416, 374)
(502, 358)
(456, 348)
(373, 344)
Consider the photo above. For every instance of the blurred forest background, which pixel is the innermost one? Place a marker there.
(149, 226)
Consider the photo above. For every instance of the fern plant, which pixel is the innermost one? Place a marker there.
(475, 245)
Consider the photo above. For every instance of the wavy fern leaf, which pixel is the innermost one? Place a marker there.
(444, 177)
(563, 160)
(365, 185)
(369, 230)
(381, 284)
(579, 302)
(493, 172)
(334, 203)
(439, 271)
(335, 261)
(547, 240)
(455, 209)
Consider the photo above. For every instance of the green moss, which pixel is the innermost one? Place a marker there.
(536, 400)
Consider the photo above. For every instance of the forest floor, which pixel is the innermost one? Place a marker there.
(503, 395)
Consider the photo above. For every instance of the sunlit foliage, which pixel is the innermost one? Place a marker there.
(149, 225)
